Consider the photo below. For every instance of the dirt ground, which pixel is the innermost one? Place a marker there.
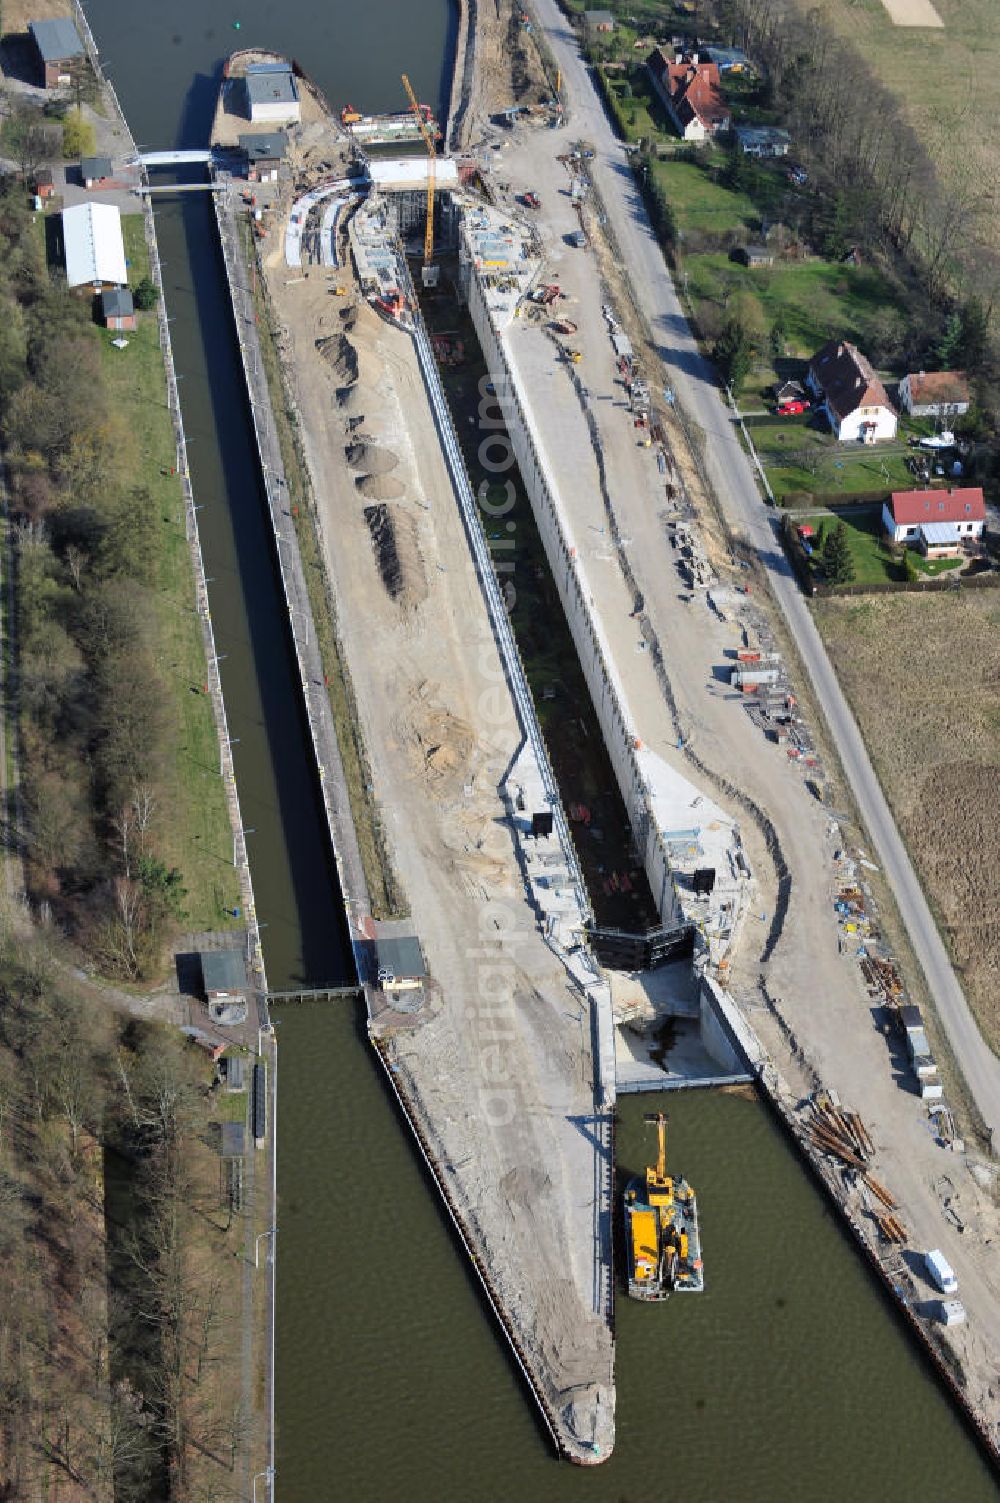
(500, 1064)
(508, 68)
(937, 755)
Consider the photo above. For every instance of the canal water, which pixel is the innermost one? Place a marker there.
(790, 1377)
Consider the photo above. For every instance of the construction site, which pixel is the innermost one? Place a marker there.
(611, 820)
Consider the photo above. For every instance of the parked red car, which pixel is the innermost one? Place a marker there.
(792, 409)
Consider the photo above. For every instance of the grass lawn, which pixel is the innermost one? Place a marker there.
(701, 204)
(873, 560)
(789, 435)
(934, 98)
(816, 299)
(860, 471)
(934, 566)
(193, 833)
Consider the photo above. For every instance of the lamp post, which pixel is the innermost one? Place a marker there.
(269, 1474)
(271, 1232)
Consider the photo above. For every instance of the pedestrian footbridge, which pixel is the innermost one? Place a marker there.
(174, 158)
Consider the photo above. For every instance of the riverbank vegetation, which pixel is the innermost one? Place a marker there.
(119, 1323)
(123, 826)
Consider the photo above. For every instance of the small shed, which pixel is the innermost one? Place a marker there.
(118, 308)
(233, 1068)
(755, 256)
(224, 976)
(44, 182)
(790, 391)
(233, 1139)
(59, 50)
(401, 965)
(264, 154)
(95, 171)
(762, 140)
(599, 20)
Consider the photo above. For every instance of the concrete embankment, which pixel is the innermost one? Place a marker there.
(319, 717)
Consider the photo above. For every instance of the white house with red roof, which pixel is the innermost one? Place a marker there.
(853, 397)
(935, 520)
(691, 92)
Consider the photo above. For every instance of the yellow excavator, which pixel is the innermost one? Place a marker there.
(430, 271)
(661, 1224)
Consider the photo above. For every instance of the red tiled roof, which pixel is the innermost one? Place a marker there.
(963, 505)
(846, 379)
(931, 388)
(693, 88)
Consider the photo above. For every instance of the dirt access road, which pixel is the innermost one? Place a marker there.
(732, 477)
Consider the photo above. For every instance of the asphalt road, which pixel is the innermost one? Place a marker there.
(731, 474)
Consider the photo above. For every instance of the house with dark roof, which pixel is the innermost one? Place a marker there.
(852, 396)
(943, 394)
(907, 515)
(599, 20)
(690, 90)
(59, 50)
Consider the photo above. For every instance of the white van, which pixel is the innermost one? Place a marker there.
(941, 1272)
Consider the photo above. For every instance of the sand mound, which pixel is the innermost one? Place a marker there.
(379, 487)
(371, 458)
(338, 350)
(442, 743)
(353, 398)
(397, 553)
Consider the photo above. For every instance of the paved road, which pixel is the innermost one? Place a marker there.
(732, 477)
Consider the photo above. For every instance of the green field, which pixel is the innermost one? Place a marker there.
(194, 833)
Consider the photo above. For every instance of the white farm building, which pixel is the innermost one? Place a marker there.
(93, 246)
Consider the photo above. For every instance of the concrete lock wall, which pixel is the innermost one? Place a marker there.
(619, 737)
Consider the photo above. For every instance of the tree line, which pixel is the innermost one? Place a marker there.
(87, 684)
(120, 1312)
(881, 187)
